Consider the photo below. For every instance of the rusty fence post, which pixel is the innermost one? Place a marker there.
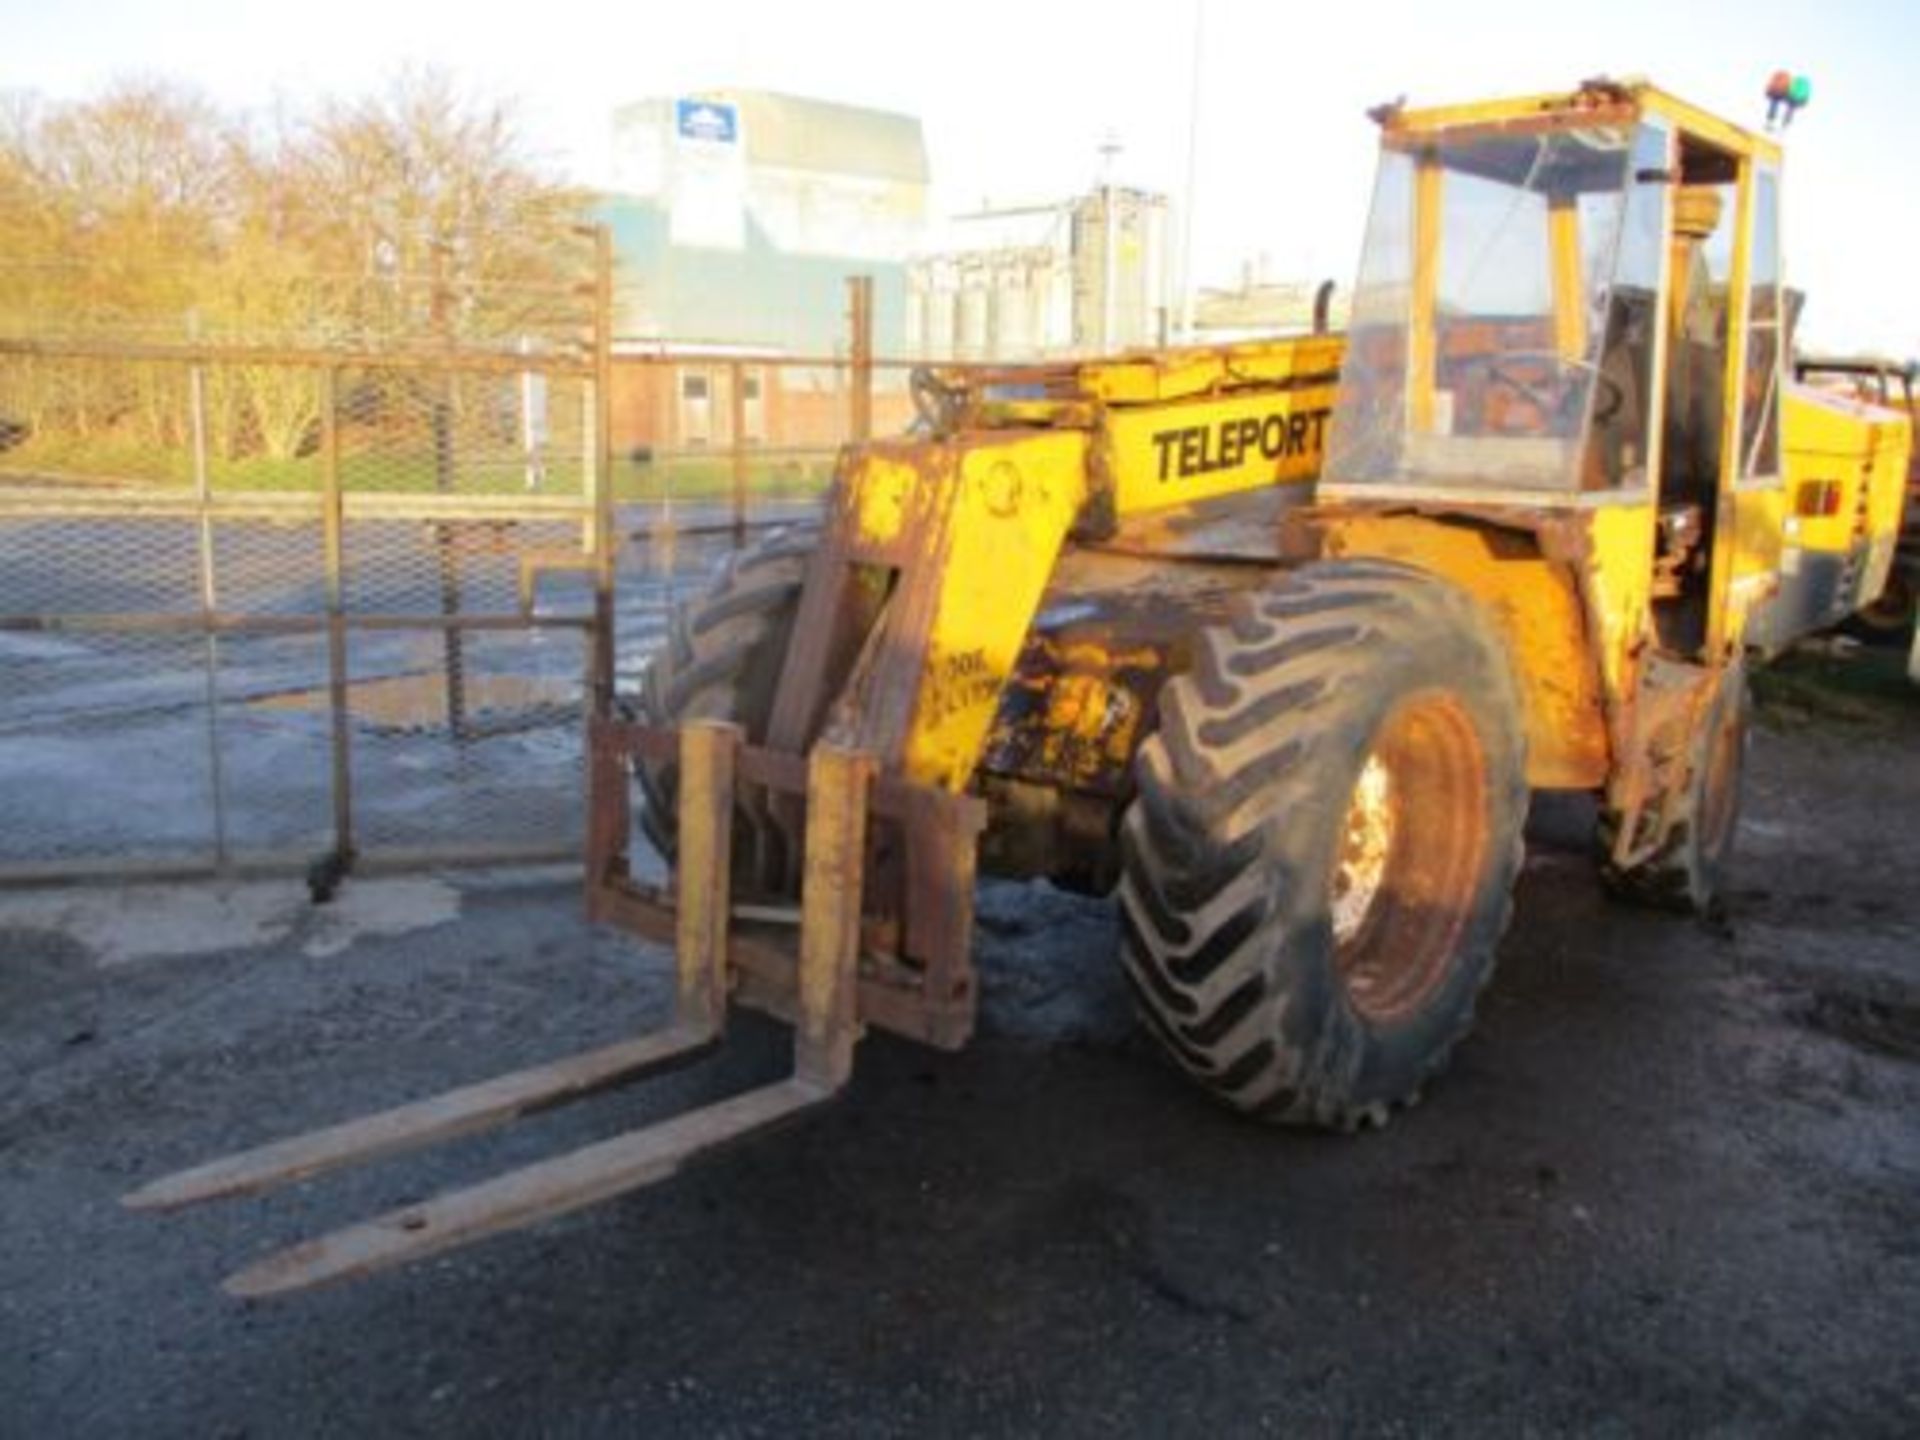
(209, 598)
(737, 445)
(703, 871)
(860, 319)
(605, 513)
(453, 639)
(831, 891)
(333, 541)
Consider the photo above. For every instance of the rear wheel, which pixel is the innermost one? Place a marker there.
(1319, 861)
(721, 661)
(1688, 870)
(1889, 618)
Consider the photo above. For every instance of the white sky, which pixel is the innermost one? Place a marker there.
(1016, 96)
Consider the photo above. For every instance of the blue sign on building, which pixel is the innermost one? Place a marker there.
(706, 120)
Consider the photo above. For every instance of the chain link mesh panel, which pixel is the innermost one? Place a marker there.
(228, 568)
(275, 744)
(104, 748)
(486, 749)
(270, 566)
(85, 562)
(169, 579)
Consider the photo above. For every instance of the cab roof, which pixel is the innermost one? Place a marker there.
(1598, 101)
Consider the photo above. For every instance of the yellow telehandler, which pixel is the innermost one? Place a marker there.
(1271, 640)
(1836, 513)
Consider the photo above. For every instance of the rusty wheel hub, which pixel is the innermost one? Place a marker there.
(1413, 848)
(1366, 841)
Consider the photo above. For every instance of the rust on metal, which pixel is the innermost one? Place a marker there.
(823, 993)
(522, 1197)
(359, 439)
(892, 995)
(916, 861)
(433, 359)
(1647, 789)
(333, 542)
(704, 872)
(860, 323)
(837, 785)
(464, 1111)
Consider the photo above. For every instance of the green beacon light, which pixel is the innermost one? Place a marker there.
(1786, 93)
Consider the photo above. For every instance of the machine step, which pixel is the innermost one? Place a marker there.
(526, 1196)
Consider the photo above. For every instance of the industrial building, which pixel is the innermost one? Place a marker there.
(737, 217)
(1084, 276)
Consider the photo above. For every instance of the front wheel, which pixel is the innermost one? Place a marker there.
(1319, 861)
(721, 661)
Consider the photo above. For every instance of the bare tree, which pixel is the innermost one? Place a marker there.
(431, 198)
(414, 216)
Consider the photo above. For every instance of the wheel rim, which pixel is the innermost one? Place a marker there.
(1412, 848)
(1366, 843)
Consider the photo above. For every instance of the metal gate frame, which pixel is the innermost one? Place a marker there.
(334, 509)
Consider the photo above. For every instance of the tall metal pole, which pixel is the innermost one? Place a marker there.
(1109, 247)
(1109, 282)
(1192, 182)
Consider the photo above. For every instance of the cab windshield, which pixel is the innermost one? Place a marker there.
(1502, 323)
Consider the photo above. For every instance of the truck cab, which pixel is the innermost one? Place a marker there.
(1572, 304)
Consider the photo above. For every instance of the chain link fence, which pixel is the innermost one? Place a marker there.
(260, 604)
(267, 605)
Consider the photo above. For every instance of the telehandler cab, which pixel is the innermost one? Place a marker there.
(1273, 640)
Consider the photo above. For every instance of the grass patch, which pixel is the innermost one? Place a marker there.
(777, 475)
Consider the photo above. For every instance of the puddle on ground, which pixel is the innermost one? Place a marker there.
(419, 702)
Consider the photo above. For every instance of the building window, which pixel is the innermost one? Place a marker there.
(696, 408)
(753, 408)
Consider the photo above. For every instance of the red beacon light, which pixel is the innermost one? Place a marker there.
(1786, 93)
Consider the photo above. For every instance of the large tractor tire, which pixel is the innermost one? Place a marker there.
(1319, 863)
(721, 661)
(1689, 869)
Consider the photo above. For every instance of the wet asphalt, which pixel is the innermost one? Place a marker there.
(1670, 1184)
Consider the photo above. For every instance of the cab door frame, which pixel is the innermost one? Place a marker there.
(1746, 559)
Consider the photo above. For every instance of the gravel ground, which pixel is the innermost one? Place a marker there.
(1671, 1183)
